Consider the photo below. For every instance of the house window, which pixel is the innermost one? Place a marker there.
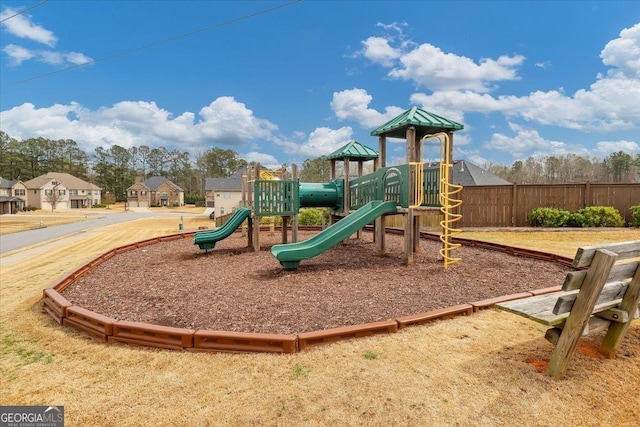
(221, 210)
(164, 194)
(19, 192)
(217, 194)
(143, 193)
(48, 192)
(62, 192)
(73, 192)
(134, 193)
(227, 195)
(4, 192)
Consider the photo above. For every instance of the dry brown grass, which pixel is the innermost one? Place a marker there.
(557, 242)
(478, 370)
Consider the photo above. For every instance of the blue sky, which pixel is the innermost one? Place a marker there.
(302, 79)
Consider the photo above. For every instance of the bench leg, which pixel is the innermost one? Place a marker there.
(592, 285)
(616, 332)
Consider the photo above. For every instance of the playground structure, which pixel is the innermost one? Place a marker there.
(410, 190)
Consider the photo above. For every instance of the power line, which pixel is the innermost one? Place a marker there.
(158, 43)
(23, 11)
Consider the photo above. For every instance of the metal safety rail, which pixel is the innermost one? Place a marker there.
(448, 201)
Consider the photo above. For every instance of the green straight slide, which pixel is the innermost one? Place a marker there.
(207, 239)
(291, 254)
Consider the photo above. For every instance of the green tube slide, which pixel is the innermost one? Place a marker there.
(207, 239)
(291, 254)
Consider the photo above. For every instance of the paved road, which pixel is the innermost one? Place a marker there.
(26, 238)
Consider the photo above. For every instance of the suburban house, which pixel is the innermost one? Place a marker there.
(224, 194)
(13, 196)
(155, 191)
(62, 191)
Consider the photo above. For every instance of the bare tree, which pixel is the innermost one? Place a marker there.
(53, 196)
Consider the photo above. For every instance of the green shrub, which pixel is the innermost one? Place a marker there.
(548, 217)
(268, 220)
(193, 199)
(310, 216)
(99, 205)
(597, 216)
(635, 211)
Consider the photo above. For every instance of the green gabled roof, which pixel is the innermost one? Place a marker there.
(424, 122)
(354, 150)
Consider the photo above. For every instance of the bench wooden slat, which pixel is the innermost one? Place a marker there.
(624, 250)
(594, 325)
(619, 272)
(610, 292)
(540, 308)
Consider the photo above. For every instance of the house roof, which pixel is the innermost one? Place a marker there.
(231, 183)
(354, 150)
(424, 122)
(69, 181)
(467, 174)
(155, 182)
(5, 183)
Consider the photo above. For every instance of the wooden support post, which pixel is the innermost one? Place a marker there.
(514, 204)
(285, 219)
(294, 221)
(579, 316)
(333, 169)
(256, 234)
(250, 233)
(379, 235)
(616, 332)
(416, 233)
(346, 187)
(382, 151)
(408, 237)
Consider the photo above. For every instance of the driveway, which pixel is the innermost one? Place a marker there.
(22, 239)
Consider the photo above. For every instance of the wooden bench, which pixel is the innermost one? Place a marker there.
(606, 296)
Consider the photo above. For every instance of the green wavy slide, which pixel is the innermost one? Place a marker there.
(291, 254)
(207, 239)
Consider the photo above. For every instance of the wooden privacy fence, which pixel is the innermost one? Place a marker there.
(508, 205)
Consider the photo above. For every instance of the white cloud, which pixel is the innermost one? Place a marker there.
(19, 54)
(353, 104)
(428, 66)
(22, 26)
(604, 148)
(460, 86)
(610, 104)
(379, 51)
(266, 160)
(129, 123)
(623, 53)
(525, 141)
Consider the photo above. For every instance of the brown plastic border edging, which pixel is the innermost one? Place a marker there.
(144, 334)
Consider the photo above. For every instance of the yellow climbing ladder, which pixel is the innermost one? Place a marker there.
(448, 200)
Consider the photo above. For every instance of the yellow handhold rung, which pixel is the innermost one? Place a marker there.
(418, 187)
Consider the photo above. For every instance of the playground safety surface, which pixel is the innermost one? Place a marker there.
(232, 288)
